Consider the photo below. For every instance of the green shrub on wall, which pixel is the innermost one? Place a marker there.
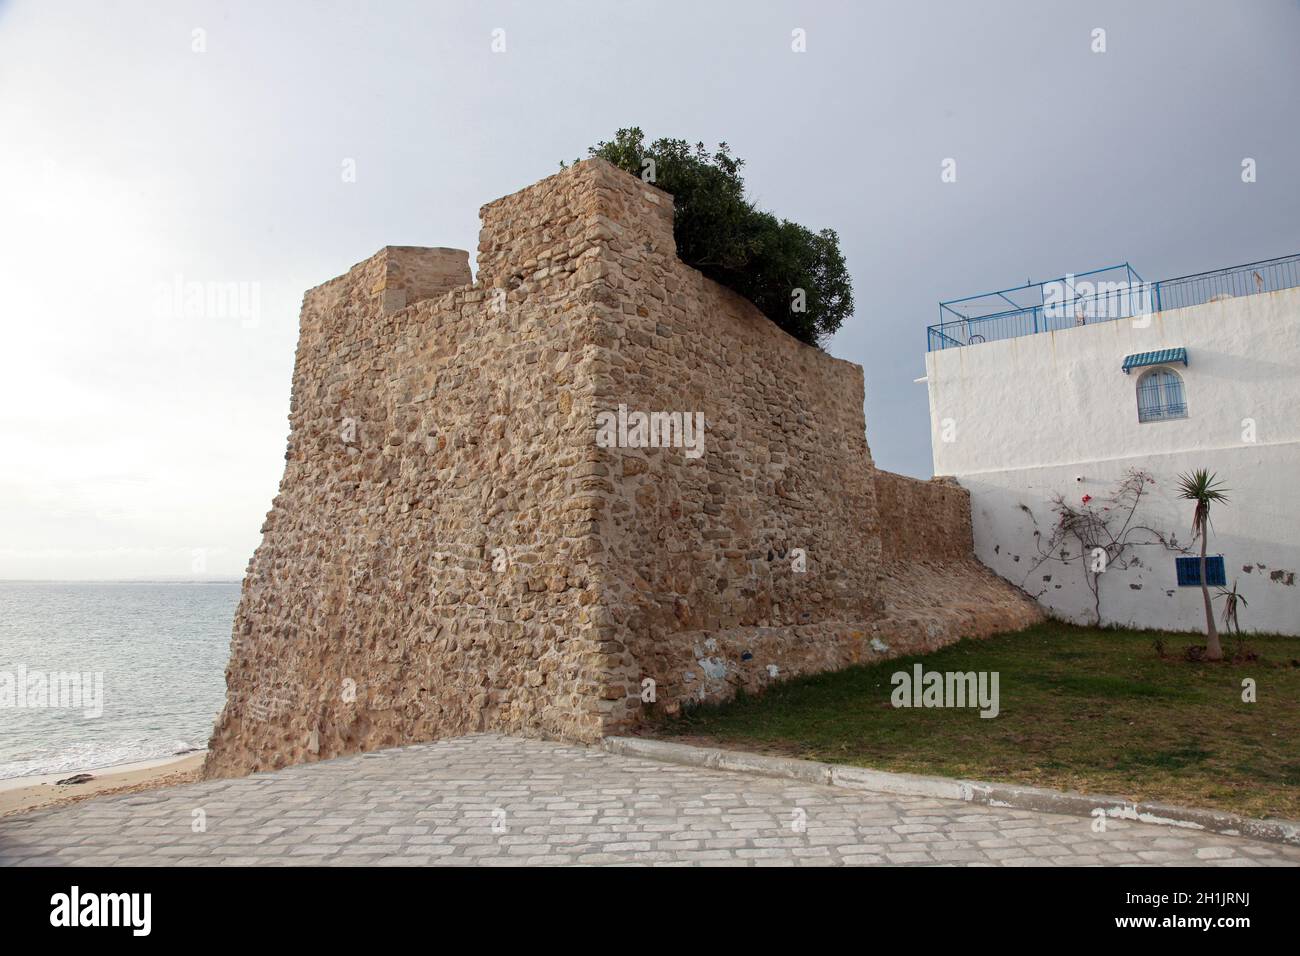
(796, 277)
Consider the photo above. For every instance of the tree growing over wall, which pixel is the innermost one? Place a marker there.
(795, 276)
(1102, 534)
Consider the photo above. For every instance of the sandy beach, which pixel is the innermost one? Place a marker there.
(21, 794)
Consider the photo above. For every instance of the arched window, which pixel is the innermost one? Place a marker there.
(1160, 396)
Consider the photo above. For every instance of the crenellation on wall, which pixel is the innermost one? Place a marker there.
(412, 274)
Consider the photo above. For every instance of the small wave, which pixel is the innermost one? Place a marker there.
(90, 756)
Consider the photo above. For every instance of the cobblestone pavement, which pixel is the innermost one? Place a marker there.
(498, 800)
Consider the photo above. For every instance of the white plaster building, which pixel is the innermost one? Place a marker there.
(1029, 416)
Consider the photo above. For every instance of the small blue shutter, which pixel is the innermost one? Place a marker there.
(1189, 571)
(1214, 571)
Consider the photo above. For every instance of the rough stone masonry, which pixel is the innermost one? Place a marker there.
(452, 550)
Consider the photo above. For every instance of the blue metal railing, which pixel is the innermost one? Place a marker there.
(1084, 300)
(1268, 275)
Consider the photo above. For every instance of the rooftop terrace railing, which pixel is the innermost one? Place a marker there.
(1103, 295)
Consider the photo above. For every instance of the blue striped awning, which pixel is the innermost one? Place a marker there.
(1163, 357)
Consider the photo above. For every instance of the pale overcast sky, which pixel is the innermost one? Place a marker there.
(138, 442)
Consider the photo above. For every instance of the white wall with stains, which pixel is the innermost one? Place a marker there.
(1020, 421)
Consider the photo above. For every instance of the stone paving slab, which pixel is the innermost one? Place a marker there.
(493, 800)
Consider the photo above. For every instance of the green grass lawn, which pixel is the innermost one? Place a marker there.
(1083, 709)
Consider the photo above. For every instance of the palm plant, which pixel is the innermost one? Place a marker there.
(1232, 601)
(1204, 489)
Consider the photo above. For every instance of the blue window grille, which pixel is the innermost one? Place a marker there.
(1160, 396)
(1189, 571)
